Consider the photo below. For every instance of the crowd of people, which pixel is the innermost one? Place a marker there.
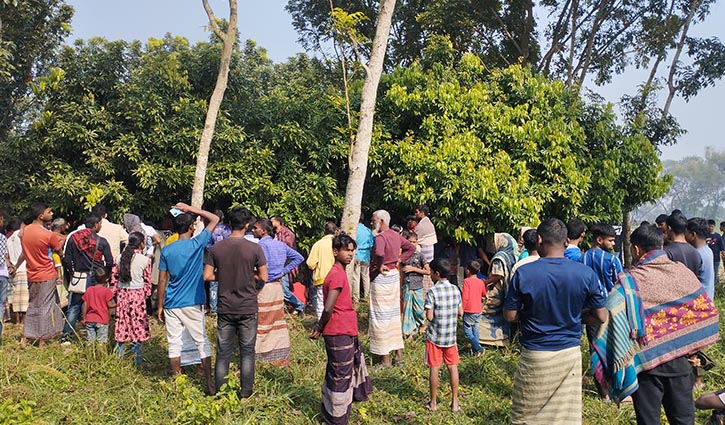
(646, 325)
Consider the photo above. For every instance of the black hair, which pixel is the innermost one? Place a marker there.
(37, 208)
(266, 225)
(531, 239)
(711, 222)
(698, 226)
(662, 218)
(553, 231)
(722, 223)
(124, 263)
(603, 231)
(408, 234)
(442, 266)
(575, 228)
(239, 218)
(647, 238)
(277, 218)
(364, 217)
(643, 223)
(397, 228)
(91, 220)
(343, 241)
(330, 228)
(182, 222)
(99, 209)
(410, 218)
(678, 223)
(13, 225)
(219, 213)
(424, 209)
(474, 266)
(676, 212)
(100, 275)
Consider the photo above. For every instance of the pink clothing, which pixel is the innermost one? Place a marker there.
(473, 292)
(387, 251)
(131, 318)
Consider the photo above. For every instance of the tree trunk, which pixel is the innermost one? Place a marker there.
(358, 161)
(228, 39)
(626, 245)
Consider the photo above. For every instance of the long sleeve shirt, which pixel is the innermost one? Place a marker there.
(321, 259)
(387, 251)
(365, 241)
(281, 259)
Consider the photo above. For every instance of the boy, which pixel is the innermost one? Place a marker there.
(442, 307)
(414, 269)
(346, 376)
(97, 301)
(575, 230)
(473, 292)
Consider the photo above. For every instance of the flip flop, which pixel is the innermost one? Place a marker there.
(428, 406)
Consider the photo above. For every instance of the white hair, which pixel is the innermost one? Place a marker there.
(384, 216)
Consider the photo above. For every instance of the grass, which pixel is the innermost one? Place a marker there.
(88, 384)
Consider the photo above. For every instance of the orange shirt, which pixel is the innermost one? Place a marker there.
(473, 292)
(37, 244)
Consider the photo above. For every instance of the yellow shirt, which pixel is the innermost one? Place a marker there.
(321, 259)
(171, 239)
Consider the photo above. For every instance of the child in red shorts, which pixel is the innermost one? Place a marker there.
(442, 309)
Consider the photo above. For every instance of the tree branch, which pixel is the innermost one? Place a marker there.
(212, 20)
(675, 59)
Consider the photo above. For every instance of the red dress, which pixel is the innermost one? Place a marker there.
(132, 323)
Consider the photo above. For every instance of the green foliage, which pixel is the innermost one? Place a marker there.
(697, 188)
(14, 413)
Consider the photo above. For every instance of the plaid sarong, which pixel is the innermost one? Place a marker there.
(346, 378)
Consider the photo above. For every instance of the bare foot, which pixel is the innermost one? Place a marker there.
(431, 406)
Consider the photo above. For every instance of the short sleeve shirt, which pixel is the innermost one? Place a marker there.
(38, 242)
(97, 298)
(235, 260)
(549, 295)
(444, 299)
(344, 319)
(184, 261)
(414, 280)
(715, 242)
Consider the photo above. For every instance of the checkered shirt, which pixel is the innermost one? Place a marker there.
(444, 299)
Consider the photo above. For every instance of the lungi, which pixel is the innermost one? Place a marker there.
(44, 319)
(385, 327)
(273, 343)
(346, 378)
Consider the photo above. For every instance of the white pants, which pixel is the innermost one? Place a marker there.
(192, 319)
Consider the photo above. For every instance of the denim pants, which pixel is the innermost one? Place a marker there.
(470, 329)
(75, 304)
(289, 297)
(231, 327)
(135, 349)
(96, 332)
(213, 296)
(4, 288)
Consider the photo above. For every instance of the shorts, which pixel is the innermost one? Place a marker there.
(435, 354)
(192, 319)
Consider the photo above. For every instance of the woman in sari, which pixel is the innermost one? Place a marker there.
(493, 329)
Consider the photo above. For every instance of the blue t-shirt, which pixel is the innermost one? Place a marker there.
(573, 253)
(365, 241)
(184, 260)
(707, 277)
(549, 295)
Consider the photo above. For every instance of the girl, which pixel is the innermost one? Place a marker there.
(131, 282)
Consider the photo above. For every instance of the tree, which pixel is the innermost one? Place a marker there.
(228, 40)
(697, 189)
(358, 161)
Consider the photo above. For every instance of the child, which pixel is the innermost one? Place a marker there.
(97, 301)
(442, 306)
(413, 297)
(346, 376)
(473, 292)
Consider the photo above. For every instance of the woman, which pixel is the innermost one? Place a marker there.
(493, 329)
(131, 282)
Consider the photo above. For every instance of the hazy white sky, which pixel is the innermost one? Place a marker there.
(270, 26)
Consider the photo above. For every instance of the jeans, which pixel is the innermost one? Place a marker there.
(135, 349)
(96, 332)
(4, 286)
(470, 329)
(289, 297)
(244, 327)
(75, 304)
(213, 296)
(674, 393)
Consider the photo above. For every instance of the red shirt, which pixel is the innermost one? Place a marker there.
(473, 291)
(344, 318)
(97, 298)
(37, 243)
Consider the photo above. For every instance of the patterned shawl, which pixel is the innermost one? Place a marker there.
(658, 311)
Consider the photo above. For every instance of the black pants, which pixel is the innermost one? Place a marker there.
(674, 393)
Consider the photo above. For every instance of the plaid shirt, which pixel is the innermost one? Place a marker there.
(444, 299)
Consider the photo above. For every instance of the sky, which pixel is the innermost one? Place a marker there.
(267, 23)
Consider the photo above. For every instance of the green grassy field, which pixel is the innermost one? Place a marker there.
(87, 384)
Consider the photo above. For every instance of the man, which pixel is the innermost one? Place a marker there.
(426, 232)
(320, 261)
(659, 315)
(717, 245)
(181, 289)
(575, 231)
(661, 221)
(359, 270)
(237, 264)
(43, 319)
(600, 258)
(531, 244)
(678, 249)
(273, 343)
(695, 235)
(551, 297)
(385, 327)
(283, 234)
(4, 273)
(85, 252)
(114, 233)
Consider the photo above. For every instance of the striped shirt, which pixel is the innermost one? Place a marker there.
(444, 299)
(605, 265)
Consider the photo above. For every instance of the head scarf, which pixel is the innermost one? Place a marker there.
(132, 223)
(506, 243)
